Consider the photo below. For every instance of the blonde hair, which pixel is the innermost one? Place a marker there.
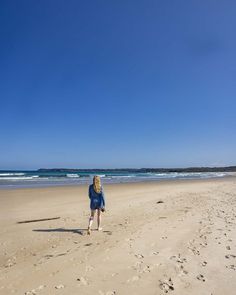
(97, 184)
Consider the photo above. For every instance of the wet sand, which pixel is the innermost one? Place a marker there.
(169, 237)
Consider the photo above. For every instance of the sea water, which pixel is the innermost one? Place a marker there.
(15, 179)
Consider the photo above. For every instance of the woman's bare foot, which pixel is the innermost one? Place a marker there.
(89, 231)
(99, 228)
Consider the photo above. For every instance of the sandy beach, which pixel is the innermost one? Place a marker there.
(169, 237)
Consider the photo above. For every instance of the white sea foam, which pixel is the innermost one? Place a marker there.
(12, 174)
(123, 176)
(27, 178)
(72, 175)
(19, 178)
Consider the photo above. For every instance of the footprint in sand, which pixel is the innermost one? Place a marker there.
(194, 250)
(200, 277)
(232, 266)
(114, 274)
(45, 258)
(204, 263)
(166, 285)
(229, 256)
(61, 254)
(48, 256)
(133, 279)
(89, 268)
(159, 202)
(184, 271)
(203, 244)
(60, 286)
(109, 233)
(137, 266)
(82, 281)
(178, 258)
(34, 291)
(139, 256)
(107, 293)
(54, 273)
(10, 264)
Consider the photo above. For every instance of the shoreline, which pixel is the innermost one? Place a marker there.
(176, 180)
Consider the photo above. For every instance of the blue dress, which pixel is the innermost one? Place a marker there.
(97, 200)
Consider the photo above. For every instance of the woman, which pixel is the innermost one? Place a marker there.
(97, 202)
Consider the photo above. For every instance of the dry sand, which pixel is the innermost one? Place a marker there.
(183, 245)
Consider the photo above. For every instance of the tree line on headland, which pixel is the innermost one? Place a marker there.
(144, 170)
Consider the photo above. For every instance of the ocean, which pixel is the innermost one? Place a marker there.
(17, 179)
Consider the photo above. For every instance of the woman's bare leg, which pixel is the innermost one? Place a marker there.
(99, 219)
(91, 221)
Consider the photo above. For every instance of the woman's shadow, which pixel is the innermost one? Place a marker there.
(80, 231)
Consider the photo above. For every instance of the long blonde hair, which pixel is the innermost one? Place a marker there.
(97, 184)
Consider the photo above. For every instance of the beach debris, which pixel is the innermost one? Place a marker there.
(228, 247)
(160, 202)
(88, 244)
(38, 220)
(59, 286)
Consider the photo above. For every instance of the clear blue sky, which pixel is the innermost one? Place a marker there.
(117, 83)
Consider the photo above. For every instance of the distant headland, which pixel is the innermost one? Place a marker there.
(144, 170)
